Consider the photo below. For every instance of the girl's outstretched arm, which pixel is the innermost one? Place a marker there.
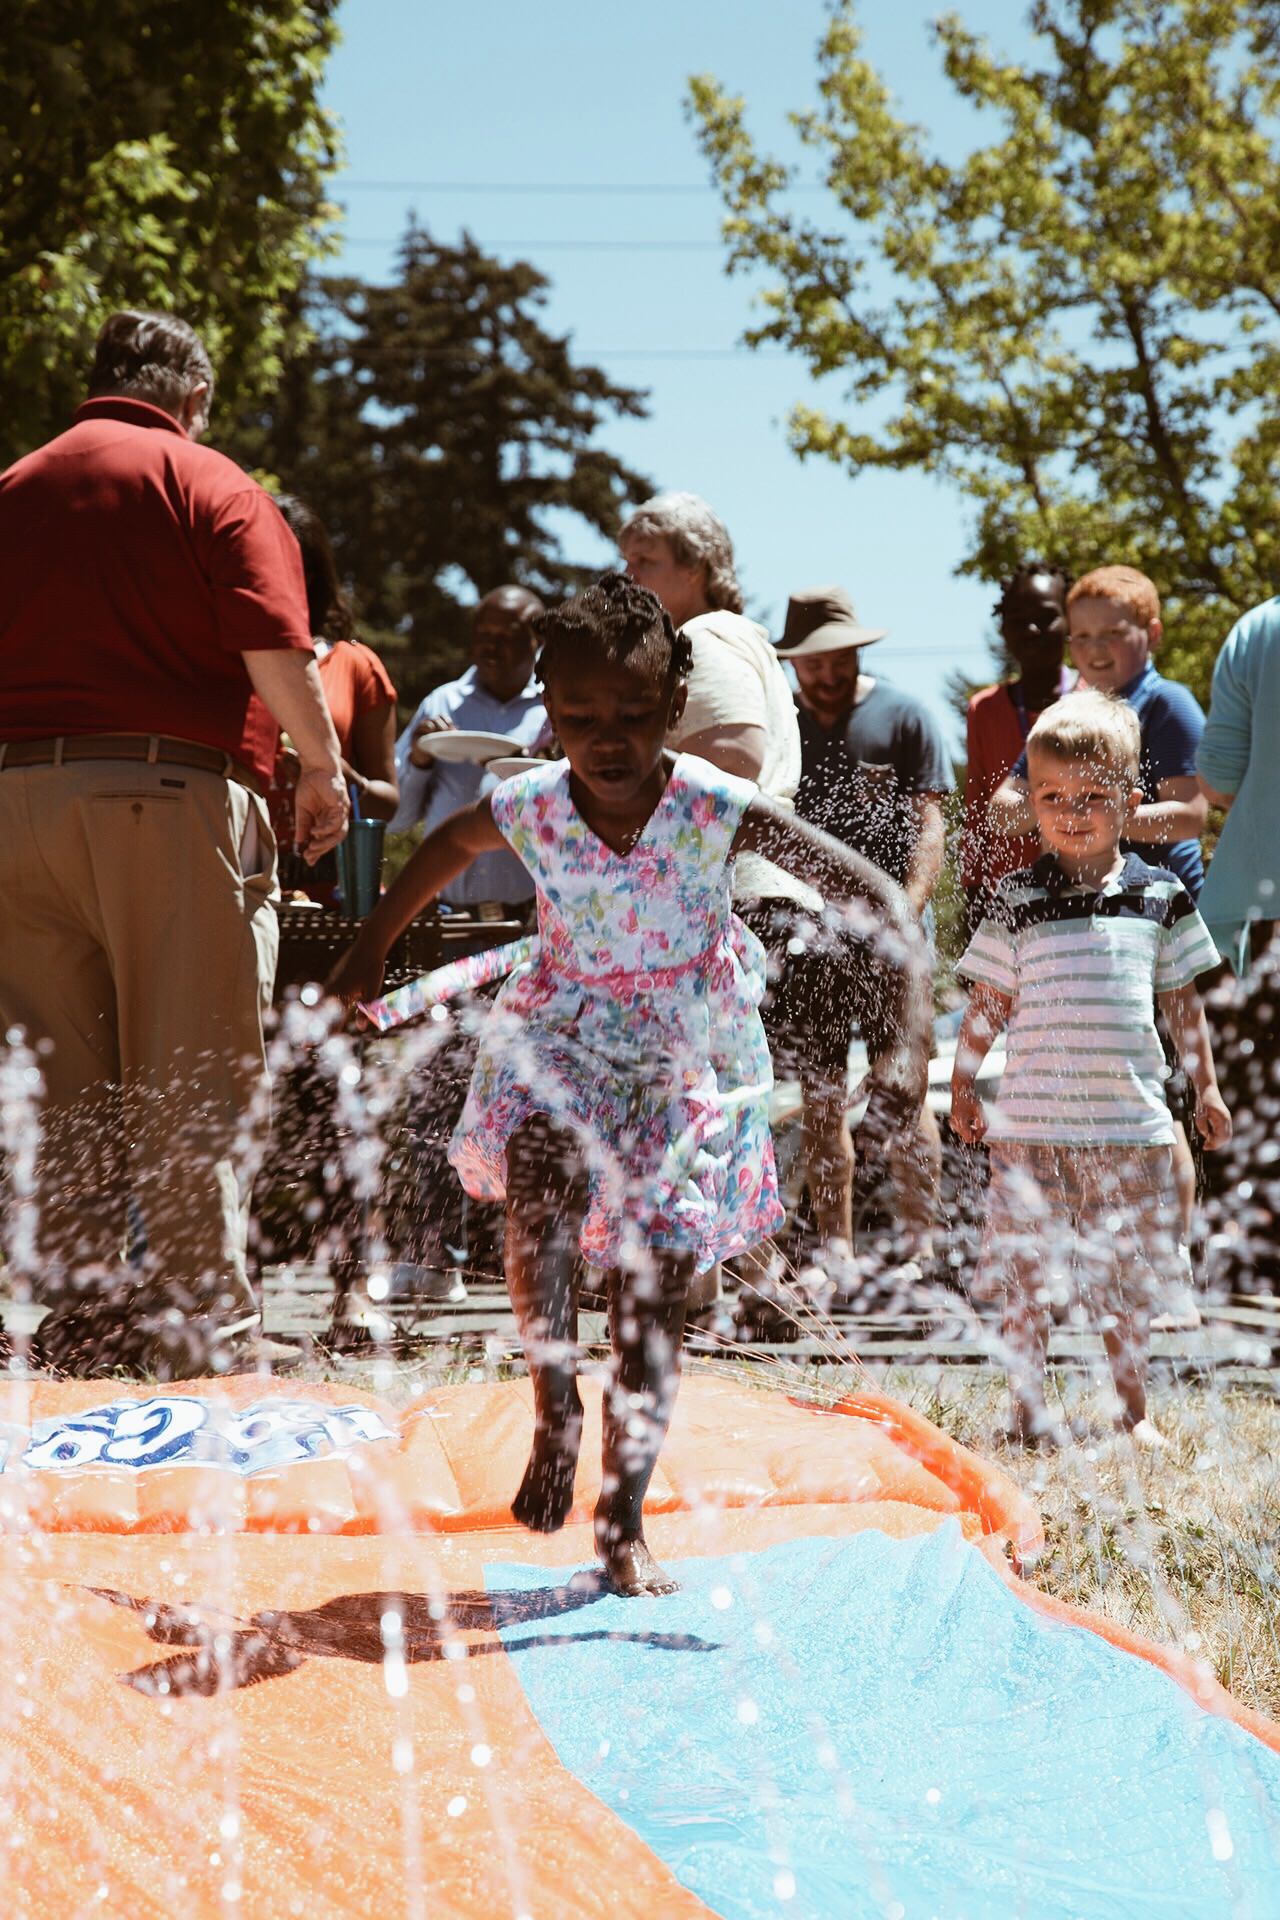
(442, 856)
(896, 946)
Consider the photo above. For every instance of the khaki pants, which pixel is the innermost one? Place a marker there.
(139, 955)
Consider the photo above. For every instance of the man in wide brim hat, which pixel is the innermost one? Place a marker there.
(822, 620)
(874, 770)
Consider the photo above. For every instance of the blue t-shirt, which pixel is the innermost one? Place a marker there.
(857, 781)
(1172, 721)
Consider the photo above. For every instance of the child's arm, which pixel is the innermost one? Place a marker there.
(986, 1015)
(1179, 813)
(900, 1077)
(1183, 1009)
(442, 856)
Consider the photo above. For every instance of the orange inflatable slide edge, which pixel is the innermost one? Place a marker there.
(262, 1660)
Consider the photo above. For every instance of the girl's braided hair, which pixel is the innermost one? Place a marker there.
(1019, 578)
(614, 621)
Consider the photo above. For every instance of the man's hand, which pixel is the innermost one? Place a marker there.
(358, 975)
(1213, 1122)
(321, 812)
(967, 1115)
(434, 724)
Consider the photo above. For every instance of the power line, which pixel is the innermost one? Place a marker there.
(403, 350)
(547, 186)
(578, 246)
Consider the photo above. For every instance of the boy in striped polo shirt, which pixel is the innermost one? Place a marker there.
(1071, 958)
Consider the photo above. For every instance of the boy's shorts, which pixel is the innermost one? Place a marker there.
(1095, 1210)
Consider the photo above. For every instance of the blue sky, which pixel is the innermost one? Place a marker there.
(438, 100)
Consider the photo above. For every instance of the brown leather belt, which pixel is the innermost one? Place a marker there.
(155, 749)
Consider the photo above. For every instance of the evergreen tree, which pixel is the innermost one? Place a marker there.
(444, 435)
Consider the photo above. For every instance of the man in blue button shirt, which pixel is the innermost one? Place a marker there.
(497, 694)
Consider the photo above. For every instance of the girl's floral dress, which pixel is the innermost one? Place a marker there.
(635, 1025)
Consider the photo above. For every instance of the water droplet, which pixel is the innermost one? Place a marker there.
(933, 1796)
(784, 1884)
(1219, 1834)
(310, 996)
(481, 1755)
(457, 1806)
(748, 1712)
(377, 1286)
(721, 1598)
(402, 1756)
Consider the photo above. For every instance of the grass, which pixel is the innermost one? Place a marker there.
(1182, 1547)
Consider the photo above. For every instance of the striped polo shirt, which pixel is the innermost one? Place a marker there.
(1083, 1061)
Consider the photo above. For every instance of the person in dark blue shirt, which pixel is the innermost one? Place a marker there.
(874, 774)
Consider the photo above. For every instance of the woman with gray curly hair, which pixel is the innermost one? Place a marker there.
(676, 536)
(740, 713)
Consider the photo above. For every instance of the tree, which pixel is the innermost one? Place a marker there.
(441, 432)
(1078, 323)
(151, 156)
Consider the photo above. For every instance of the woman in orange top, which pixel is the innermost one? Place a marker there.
(361, 700)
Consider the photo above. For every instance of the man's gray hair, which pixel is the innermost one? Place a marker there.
(149, 356)
(697, 537)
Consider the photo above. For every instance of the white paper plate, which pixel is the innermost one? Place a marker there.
(505, 768)
(453, 744)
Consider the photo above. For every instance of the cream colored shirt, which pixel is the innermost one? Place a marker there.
(737, 681)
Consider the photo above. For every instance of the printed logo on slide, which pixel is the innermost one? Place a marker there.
(175, 1430)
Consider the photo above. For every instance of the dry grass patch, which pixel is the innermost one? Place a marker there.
(1181, 1546)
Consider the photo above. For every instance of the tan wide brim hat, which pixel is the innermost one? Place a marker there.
(822, 620)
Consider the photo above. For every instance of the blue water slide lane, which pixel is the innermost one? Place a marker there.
(863, 1726)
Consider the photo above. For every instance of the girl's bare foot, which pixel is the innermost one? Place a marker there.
(546, 1492)
(631, 1568)
(1145, 1434)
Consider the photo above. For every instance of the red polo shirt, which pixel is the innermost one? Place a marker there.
(137, 567)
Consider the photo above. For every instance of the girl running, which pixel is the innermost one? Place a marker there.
(619, 1103)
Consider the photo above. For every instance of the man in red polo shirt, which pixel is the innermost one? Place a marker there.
(153, 639)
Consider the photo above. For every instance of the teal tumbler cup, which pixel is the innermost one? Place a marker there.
(359, 859)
